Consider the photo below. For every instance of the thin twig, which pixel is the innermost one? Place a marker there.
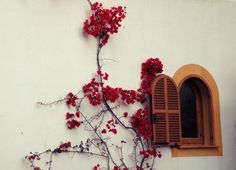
(110, 59)
(102, 141)
(59, 101)
(50, 161)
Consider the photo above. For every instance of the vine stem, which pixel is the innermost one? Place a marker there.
(90, 3)
(50, 161)
(108, 106)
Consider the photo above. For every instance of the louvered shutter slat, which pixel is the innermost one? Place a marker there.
(159, 99)
(160, 127)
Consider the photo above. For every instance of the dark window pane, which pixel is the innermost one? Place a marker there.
(188, 111)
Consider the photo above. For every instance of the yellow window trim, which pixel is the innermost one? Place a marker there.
(193, 70)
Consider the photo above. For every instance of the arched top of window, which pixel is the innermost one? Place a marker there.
(194, 70)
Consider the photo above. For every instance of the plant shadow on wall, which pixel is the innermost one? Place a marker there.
(107, 120)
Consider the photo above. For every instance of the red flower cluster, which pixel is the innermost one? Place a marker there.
(128, 96)
(72, 123)
(111, 94)
(117, 168)
(37, 168)
(104, 22)
(140, 121)
(141, 97)
(103, 75)
(111, 124)
(95, 96)
(92, 91)
(71, 99)
(33, 157)
(150, 69)
(63, 147)
(150, 152)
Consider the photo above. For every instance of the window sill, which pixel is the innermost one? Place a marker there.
(197, 146)
(196, 150)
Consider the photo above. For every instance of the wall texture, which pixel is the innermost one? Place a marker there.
(44, 54)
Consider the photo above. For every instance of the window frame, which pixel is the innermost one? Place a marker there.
(214, 149)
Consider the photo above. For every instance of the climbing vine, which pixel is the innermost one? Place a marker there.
(101, 24)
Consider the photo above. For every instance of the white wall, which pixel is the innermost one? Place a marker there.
(44, 55)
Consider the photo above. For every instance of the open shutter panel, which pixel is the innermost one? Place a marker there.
(166, 112)
(160, 122)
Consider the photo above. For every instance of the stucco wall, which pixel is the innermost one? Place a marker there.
(44, 55)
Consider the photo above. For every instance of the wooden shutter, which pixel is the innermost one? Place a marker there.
(166, 111)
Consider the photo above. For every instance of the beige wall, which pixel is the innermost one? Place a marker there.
(44, 55)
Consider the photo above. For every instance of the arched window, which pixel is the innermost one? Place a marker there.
(186, 112)
(200, 113)
(195, 105)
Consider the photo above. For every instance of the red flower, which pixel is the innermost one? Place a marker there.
(159, 155)
(125, 114)
(138, 168)
(37, 168)
(105, 77)
(114, 131)
(108, 126)
(99, 72)
(69, 115)
(77, 114)
(96, 167)
(115, 168)
(104, 131)
(110, 121)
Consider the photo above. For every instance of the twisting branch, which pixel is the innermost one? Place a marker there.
(90, 3)
(102, 141)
